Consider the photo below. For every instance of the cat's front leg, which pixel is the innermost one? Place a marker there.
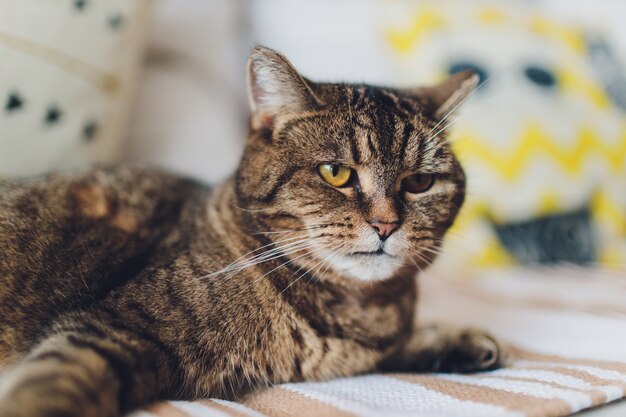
(442, 348)
(86, 370)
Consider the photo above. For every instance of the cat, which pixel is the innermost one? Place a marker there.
(126, 285)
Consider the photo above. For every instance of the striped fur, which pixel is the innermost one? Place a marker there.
(126, 285)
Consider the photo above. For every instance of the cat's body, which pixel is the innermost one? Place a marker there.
(126, 285)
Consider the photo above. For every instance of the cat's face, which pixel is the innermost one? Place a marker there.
(352, 178)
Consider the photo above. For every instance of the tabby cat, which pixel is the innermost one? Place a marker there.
(126, 285)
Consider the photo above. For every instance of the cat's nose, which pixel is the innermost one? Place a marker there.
(384, 229)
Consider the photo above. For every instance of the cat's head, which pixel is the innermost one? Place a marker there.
(352, 178)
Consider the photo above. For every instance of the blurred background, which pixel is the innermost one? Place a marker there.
(543, 140)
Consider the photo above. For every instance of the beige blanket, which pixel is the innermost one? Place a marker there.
(567, 327)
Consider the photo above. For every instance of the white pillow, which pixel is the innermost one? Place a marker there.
(66, 80)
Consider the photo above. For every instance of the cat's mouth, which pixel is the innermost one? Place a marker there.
(379, 252)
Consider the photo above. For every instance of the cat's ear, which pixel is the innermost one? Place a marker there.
(274, 87)
(448, 95)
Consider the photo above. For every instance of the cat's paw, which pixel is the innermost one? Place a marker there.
(438, 348)
(471, 350)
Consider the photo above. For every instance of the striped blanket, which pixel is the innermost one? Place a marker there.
(568, 333)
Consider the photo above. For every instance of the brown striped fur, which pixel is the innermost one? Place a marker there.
(116, 289)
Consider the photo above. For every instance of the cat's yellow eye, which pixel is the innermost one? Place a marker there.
(418, 183)
(335, 175)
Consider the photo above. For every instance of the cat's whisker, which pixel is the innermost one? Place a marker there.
(282, 247)
(273, 250)
(445, 127)
(431, 250)
(460, 103)
(271, 255)
(465, 114)
(292, 250)
(462, 116)
(289, 262)
(309, 227)
(268, 255)
(274, 243)
(281, 232)
(300, 277)
(328, 264)
(236, 261)
(305, 264)
(325, 259)
(250, 210)
(421, 256)
(320, 265)
(416, 265)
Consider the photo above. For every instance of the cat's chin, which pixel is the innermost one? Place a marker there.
(374, 266)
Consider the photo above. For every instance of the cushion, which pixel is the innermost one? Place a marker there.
(66, 82)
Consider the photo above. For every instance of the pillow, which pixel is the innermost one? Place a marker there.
(66, 81)
(543, 140)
